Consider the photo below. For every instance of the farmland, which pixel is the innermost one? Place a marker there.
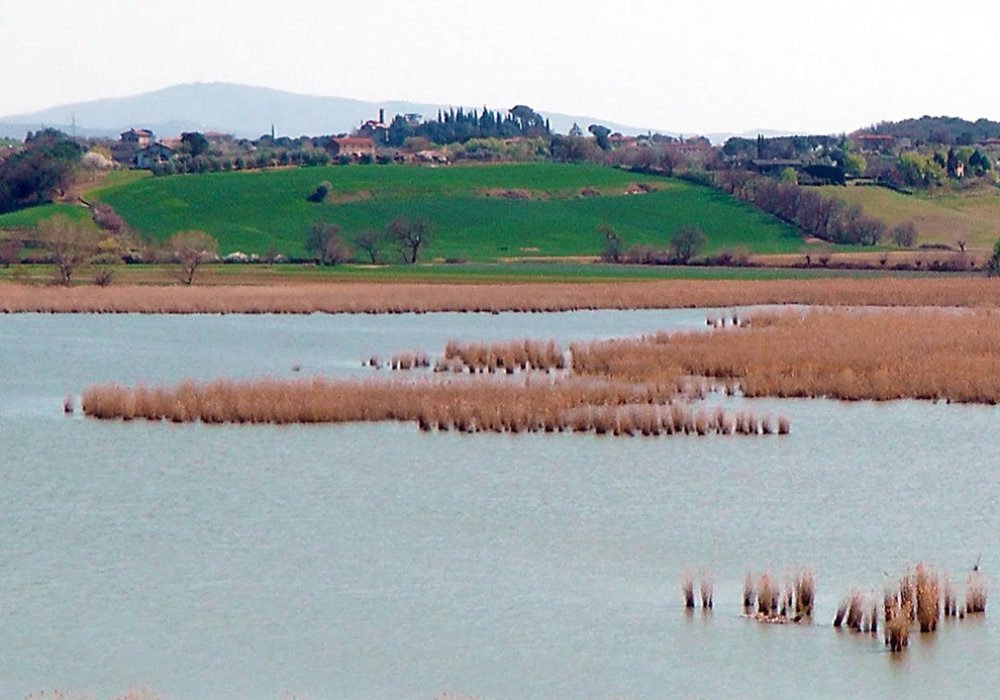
(477, 213)
(939, 218)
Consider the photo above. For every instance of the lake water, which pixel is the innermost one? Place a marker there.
(376, 561)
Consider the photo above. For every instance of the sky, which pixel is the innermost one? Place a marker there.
(675, 65)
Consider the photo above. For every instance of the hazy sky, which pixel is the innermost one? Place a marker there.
(713, 65)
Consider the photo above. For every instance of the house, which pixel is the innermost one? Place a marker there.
(139, 138)
(154, 154)
(355, 146)
(771, 166)
(874, 143)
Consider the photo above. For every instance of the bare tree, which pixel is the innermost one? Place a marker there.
(371, 242)
(411, 236)
(191, 249)
(69, 243)
(10, 251)
(326, 245)
(961, 240)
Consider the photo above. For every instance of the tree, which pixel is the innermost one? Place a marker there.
(410, 236)
(371, 242)
(601, 134)
(687, 243)
(195, 143)
(325, 245)
(613, 247)
(10, 251)
(993, 264)
(69, 244)
(39, 171)
(904, 234)
(191, 249)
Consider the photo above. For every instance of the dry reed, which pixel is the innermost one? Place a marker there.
(401, 297)
(928, 599)
(805, 593)
(468, 405)
(767, 596)
(507, 357)
(409, 360)
(687, 590)
(975, 593)
(838, 354)
(706, 588)
(748, 592)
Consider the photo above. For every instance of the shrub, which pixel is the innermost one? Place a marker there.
(319, 194)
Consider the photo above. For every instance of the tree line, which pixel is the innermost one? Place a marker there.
(403, 240)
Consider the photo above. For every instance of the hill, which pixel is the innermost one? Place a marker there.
(941, 130)
(241, 110)
(477, 213)
(939, 218)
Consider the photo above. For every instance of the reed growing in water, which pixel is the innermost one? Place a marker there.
(707, 588)
(975, 593)
(837, 354)
(464, 405)
(687, 590)
(507, 357)
(928, 599)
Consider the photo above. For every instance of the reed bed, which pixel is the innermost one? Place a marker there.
(707, 590)
(470, 405)
(404, 297)
(507, 357)
(846, 355)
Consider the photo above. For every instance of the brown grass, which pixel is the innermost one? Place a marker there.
(466, 405)
(507, 357)
(838, 354)
(399, 297)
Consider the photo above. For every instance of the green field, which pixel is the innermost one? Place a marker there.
(254, 211)
(939, 218)
(29, 218)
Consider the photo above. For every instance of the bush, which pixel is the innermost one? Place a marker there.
(687, 243)
(319, 194)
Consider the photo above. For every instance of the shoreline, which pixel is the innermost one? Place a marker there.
(527, 297)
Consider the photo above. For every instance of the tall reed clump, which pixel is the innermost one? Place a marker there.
(805, 593)
(748, 593)
(897, 622)
(707, 588)
(507, 357)
(975, 593)
(767, 596)
(687, 590)
(928, 599)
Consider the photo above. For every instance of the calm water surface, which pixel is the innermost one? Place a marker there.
(375, 561)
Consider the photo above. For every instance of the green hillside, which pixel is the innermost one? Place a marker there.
(477, 213)
(939, 218)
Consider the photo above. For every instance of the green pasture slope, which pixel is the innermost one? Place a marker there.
(253, 211)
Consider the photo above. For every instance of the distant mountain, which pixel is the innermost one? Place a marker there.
(241, 110)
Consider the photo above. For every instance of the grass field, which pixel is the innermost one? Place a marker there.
(253, 211)
(29, 218)
(938, 218)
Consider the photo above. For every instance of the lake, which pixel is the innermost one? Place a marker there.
(377, 561)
